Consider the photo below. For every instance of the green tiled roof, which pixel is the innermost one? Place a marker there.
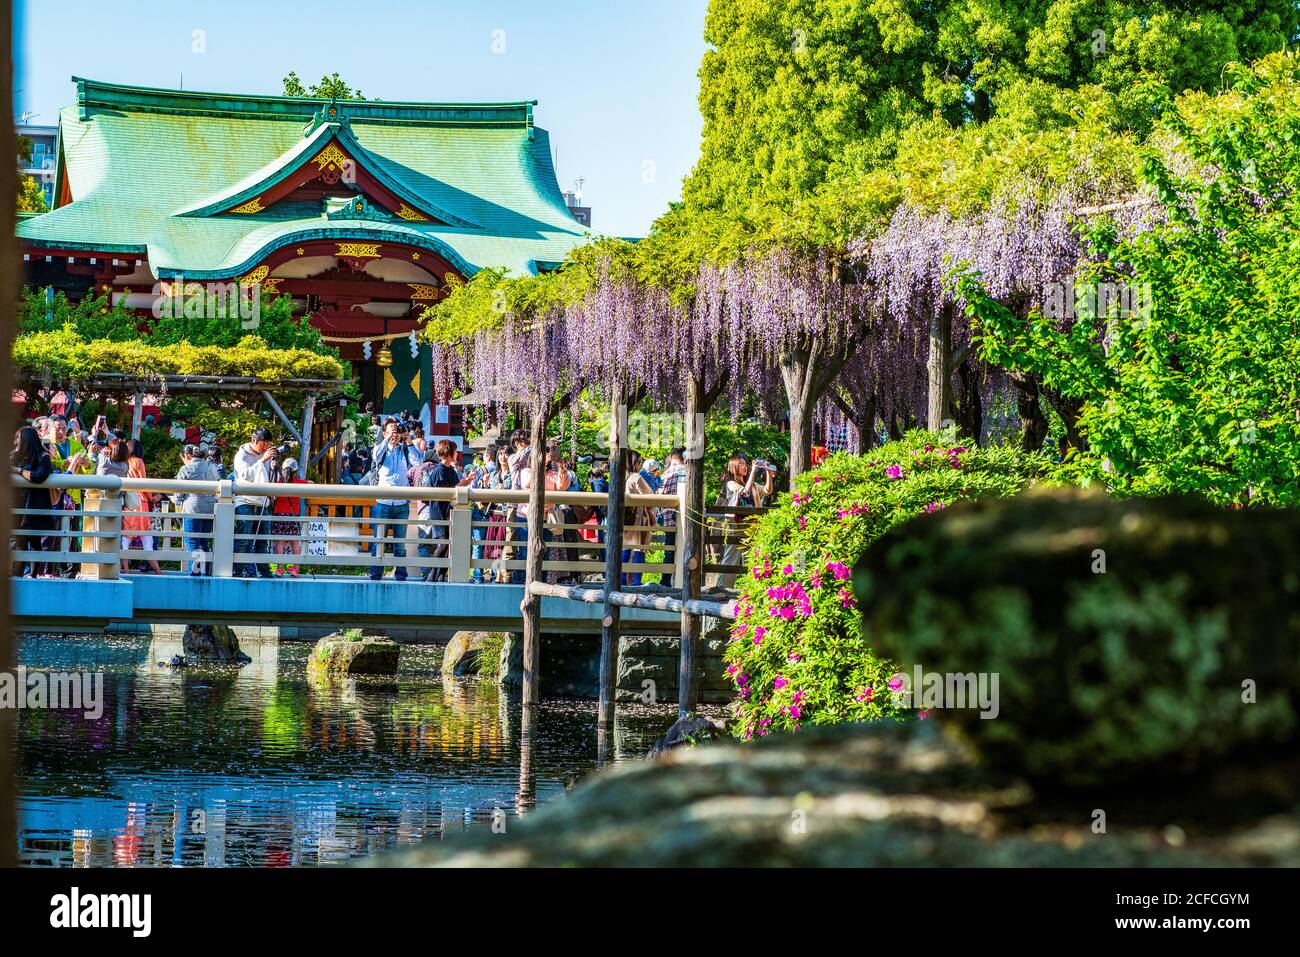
(155, 171)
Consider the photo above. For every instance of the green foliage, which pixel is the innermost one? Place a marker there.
(1196, 389)
(798, 651)
(92, 317)
(812, 104)
(63, 354)
(162, 453)
(488, 665)
(30, 197)
(277, 326)
(231, 424)
(1132, 675)
(331, 87)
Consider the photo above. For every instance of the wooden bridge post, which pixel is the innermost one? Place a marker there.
(223, 531)
(690, 539)
(609, 623)
(531, 606)
(460, 531)
(106, 549)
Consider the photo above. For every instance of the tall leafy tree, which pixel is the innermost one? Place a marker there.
(1197, 388)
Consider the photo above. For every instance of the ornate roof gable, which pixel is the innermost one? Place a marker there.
(328, 155)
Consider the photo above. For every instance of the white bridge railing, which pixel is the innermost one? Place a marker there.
(482, 537)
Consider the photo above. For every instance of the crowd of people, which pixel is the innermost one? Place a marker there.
(270, 530)
(572, 532)
(56, 444)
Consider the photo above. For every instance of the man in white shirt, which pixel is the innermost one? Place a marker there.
(391, 459)
(253, 466)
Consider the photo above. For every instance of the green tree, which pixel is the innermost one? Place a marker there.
(331, 87)
(1190, 382)
(30, 197)
(797, 94)
(92, 317)
(276, 325)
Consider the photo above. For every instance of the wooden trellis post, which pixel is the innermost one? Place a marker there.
(609, 623)
(531, 606)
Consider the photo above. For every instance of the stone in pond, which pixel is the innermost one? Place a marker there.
(341, 654)
(203, 643)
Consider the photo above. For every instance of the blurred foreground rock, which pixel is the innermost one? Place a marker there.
(1148, 643)
(851, 795)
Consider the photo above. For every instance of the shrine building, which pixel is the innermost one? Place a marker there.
(363, 211)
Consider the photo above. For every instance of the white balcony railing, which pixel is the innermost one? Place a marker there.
(336, 531)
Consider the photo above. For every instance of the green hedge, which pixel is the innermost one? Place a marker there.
(798, 652)
(64, 355)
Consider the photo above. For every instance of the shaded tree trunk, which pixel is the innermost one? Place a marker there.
(969, 411)
(1033, 424)
(806, 371)
(938, 369)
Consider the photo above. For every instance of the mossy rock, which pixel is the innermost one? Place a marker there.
(1127, 634)
(461, 657)
(342, 654)
(851, 795)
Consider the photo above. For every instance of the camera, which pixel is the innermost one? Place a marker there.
(764, 465)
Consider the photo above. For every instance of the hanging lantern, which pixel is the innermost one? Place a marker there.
(385, 357)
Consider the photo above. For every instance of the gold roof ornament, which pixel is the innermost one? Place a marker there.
(331, 155)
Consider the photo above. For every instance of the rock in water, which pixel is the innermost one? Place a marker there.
(212, 643)
(462, 653)
(342, 654)
(692, 729)
(1139, 641)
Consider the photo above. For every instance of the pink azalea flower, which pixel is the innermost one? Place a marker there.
(894, 471)
(895, 683)
(779, 683)
(846, 598)
(866, 694)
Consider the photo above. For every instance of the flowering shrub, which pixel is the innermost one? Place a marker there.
(797, 651)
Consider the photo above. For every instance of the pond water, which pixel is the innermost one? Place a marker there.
(265, 767)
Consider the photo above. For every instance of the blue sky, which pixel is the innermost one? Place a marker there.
(616, 80)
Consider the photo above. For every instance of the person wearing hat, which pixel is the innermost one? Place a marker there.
(651, 473)
(284, 509)
(197, 508)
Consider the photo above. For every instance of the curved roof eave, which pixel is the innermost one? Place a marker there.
(338, 230)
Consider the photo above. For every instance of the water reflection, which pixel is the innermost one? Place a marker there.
(263, 766)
